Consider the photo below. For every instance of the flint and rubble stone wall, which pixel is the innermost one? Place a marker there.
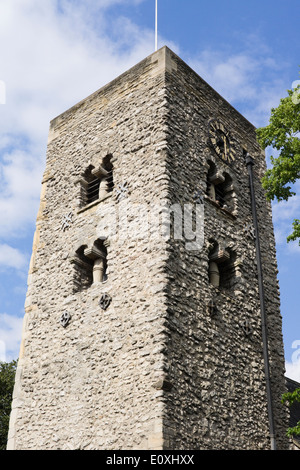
(154, 370)
(218, 397)
(90, 385)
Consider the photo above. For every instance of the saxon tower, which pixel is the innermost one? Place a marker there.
(140, 334)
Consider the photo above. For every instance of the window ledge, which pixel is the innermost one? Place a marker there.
(94, 203)
(233, 214)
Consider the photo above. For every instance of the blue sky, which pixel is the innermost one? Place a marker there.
(53, 53)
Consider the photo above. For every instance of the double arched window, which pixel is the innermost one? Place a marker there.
(220, 188)
(96, 183)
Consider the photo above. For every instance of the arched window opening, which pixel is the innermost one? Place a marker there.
(227, 272)
(98, 255)
(90, 265)
(211, 181)
(91, 187)
(224, 193)
(96, 183)
(83, 270)
(222, 271)
(104, 173)
(220, 188)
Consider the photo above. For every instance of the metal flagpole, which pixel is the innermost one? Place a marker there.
(156, 15)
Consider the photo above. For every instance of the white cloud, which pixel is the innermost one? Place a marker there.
(284, 212)
(58, 61)
(59, 56)
(293, 370)
(10, 334)
(243, 78)
(231, 75)
(12, 258)
(53, 54)
(20, 177)
(293, 366)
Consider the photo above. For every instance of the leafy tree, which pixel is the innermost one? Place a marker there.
(7, 377)
(291, 398)
(282, 134)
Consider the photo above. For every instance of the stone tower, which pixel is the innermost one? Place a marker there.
(147, 287)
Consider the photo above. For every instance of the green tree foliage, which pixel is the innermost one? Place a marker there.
(282, 134)
(290, 398)
(7, 378)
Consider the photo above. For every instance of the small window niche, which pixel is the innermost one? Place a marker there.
(222, 267)
(83, 270)
(96, 182)
(220, 189)
(90, 265)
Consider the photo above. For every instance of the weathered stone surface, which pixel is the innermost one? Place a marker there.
(154, 370)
